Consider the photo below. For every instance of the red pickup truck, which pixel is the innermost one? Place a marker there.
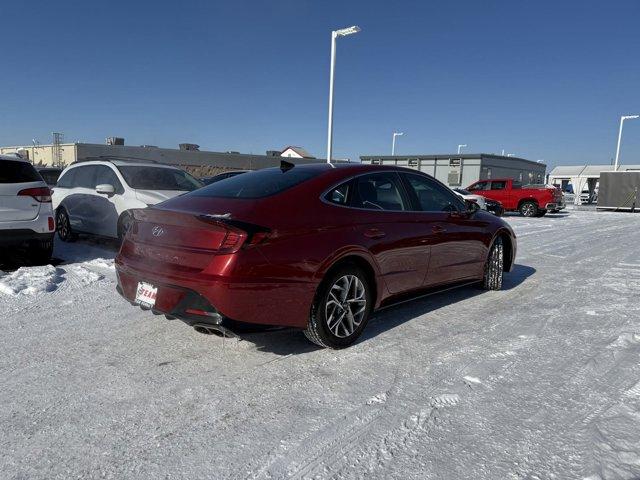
(529, 200)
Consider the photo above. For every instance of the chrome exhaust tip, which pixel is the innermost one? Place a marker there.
(218, 330)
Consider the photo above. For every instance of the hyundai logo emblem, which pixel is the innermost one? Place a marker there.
(157, 231)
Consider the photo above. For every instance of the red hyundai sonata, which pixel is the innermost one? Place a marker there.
(317, 247)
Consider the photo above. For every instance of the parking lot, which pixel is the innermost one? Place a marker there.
(539, 380)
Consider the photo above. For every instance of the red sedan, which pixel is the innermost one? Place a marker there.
(317, 247)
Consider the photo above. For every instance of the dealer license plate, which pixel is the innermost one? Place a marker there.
(146, 294)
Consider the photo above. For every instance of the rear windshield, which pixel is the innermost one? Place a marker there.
(18, 172)
(257, 184)
(158, 178)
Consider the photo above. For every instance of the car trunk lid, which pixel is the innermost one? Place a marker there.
(186, 239)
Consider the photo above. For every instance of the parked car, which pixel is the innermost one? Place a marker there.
(96, 197)
(221, 176)
(316, 247)
(26, 216)
(530, 201)
(50, 174)
(466, 195)
(588, 197)
(494, 207)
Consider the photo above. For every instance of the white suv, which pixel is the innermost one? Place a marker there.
(95, 196)
(26, 216)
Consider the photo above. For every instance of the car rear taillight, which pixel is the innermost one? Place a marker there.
(39, 194)
(52, 224)
(232, 241)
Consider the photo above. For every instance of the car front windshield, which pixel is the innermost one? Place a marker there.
(158, 178)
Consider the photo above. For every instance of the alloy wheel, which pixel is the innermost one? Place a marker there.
(63, 225)
(528, 210)
(346, 306)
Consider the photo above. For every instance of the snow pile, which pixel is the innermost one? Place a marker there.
(85, 275)
(31, 280)
(103, 263)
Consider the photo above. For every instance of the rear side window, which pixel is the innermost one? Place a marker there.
(378, 191)
(340, 194)
(515, 185)
(498, 185)
(18, 172)
(256, 184)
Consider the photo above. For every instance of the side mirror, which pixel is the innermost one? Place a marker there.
(105, 188)
(472, 207)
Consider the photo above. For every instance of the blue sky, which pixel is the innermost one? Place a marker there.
(543, 80)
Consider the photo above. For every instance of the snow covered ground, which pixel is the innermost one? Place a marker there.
(538, 381)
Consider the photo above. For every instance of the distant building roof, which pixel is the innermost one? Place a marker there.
(587, 170)
(298, 150)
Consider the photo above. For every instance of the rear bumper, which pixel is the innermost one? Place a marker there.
(555, 206)
(16, 237)
(257, 301)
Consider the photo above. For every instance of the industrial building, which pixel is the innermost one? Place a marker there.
(461, 170)
(188, 156)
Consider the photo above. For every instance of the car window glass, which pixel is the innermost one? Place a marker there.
(106, 176)
(257, 184)
(158, 178)
(340, 194)
(50, 176)
(478, 186)
(515, 185)
(431, 196)
(498, 185)
(18, 172)
(67, 179)
(85, 177)
(378, 191)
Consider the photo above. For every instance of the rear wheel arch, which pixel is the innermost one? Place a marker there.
(524, 200)
(359, 261)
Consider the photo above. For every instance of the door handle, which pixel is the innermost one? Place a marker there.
(438, 229)
(374, 233)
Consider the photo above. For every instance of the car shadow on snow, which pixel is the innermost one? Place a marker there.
(84, 249)
(289, 341)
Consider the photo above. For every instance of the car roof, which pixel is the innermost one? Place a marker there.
(122, 163)
(14, 158)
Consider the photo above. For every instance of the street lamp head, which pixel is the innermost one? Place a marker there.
(629, 117)
(343, 32)
(397, 134)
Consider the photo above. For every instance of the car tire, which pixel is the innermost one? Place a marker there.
(40, 251)
(63, 226)
(494, 266)
(124, 223)
(341, 308)
(528, 209)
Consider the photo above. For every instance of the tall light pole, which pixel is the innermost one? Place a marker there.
(460, 147)
(622, 119)
(393, 143)
(334, 35)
